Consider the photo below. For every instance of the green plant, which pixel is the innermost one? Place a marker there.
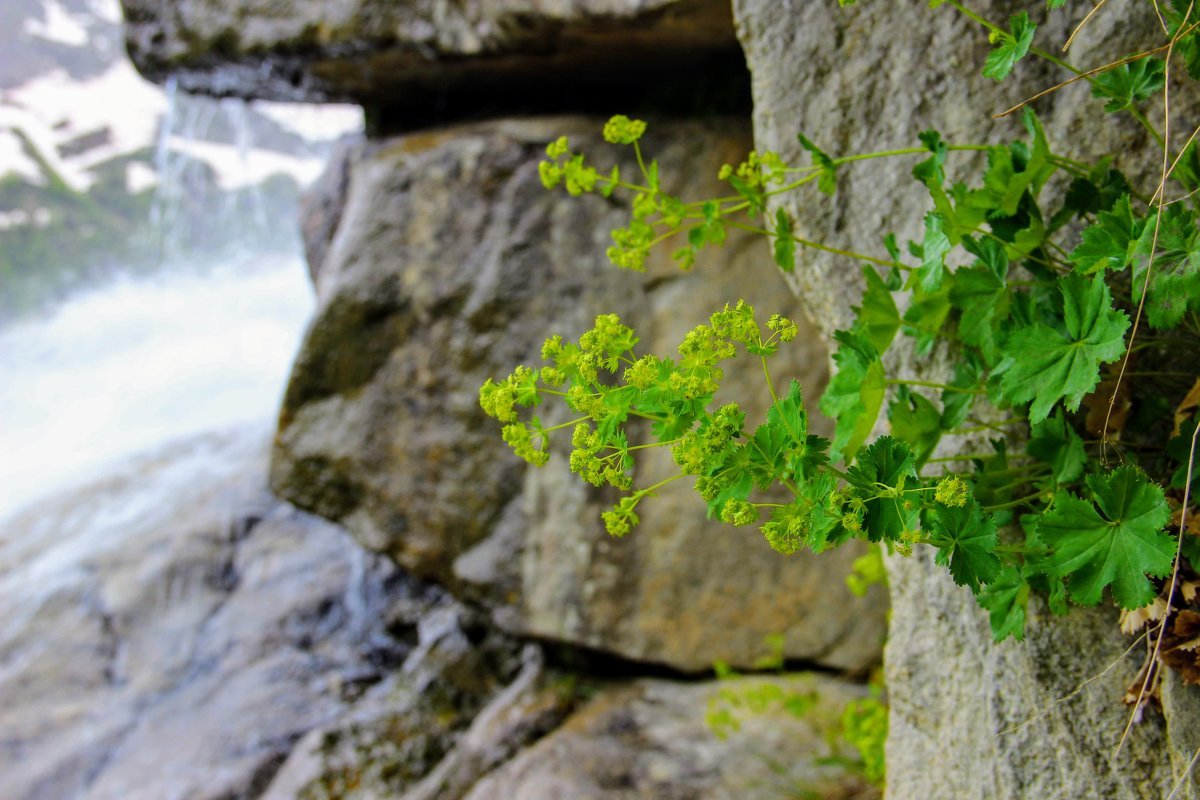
(855, 741)
(1049, 287)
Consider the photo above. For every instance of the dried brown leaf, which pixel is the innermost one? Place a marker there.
(1190, 400)
(1133, 621)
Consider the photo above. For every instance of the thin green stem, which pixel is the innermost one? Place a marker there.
(1145, 122)
(771, 387)
(659, 485)
(931, 385)
(637, 151)
(983, 427)
(565, 425)
(652, 444)
(1013, 503)
(996, 29)
(818, 246)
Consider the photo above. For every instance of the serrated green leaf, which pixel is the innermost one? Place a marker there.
(1108, 242)
(956, 406)
(1054, 442)
(966, 540)
(1011, 49)
(927, 314)
(766, 454)
(894, 279)
(855, 394)
(1096, 193)
(981, 294)
(827, 183)
(812, 520)
(1116, 541)
(1005, 599)
(1050, 364)
(1175, 272)
(888, 462)
(917, 421)
(784, 249)
(931, 170)
(878, 317)
(751, 194)
(933, 254)
(788, 414)
(1128, 84)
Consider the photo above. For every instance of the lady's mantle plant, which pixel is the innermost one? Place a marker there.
(1066, 299)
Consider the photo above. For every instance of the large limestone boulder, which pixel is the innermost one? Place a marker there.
(425, 53)
(970, 719)
(450, 264)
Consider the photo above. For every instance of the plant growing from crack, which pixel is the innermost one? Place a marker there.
(1068, 316)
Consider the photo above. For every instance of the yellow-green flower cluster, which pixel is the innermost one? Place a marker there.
(519, 388)
(518, 436)
(952, 491)
(757, 170)
(597, 470)
(621, 519)
(737, 324)
(697, 450)
(623, 130)
(739, 513)
(785, 328)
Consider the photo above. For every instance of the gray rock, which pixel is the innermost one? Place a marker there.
(405, 742)
(957, 697)
(649, 740)
(450, 264)
(422, 53)
(156, 649)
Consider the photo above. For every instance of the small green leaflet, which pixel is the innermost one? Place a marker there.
(1011, 49)
(1117, 541)
(1129, 84)
(965, 539)
(785, 246)
(1053, 4)
(956, 406)
(855, 394)
(1175, 273)
(1056, 443)
(878, 317)
(890, 463)
(917, 421)
(1049, 364)
(933, 254)
(827, 183)
(981, 293)
(1005, 599)
(930, 171)
(1012, 171)
(811, 520)
(1097, 192)
(1108, 242)
(926, 314)
(806, 453)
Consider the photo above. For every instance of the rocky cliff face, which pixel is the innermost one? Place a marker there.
(451, 264)
(439, 261)
(509, 647)
(970, 719)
